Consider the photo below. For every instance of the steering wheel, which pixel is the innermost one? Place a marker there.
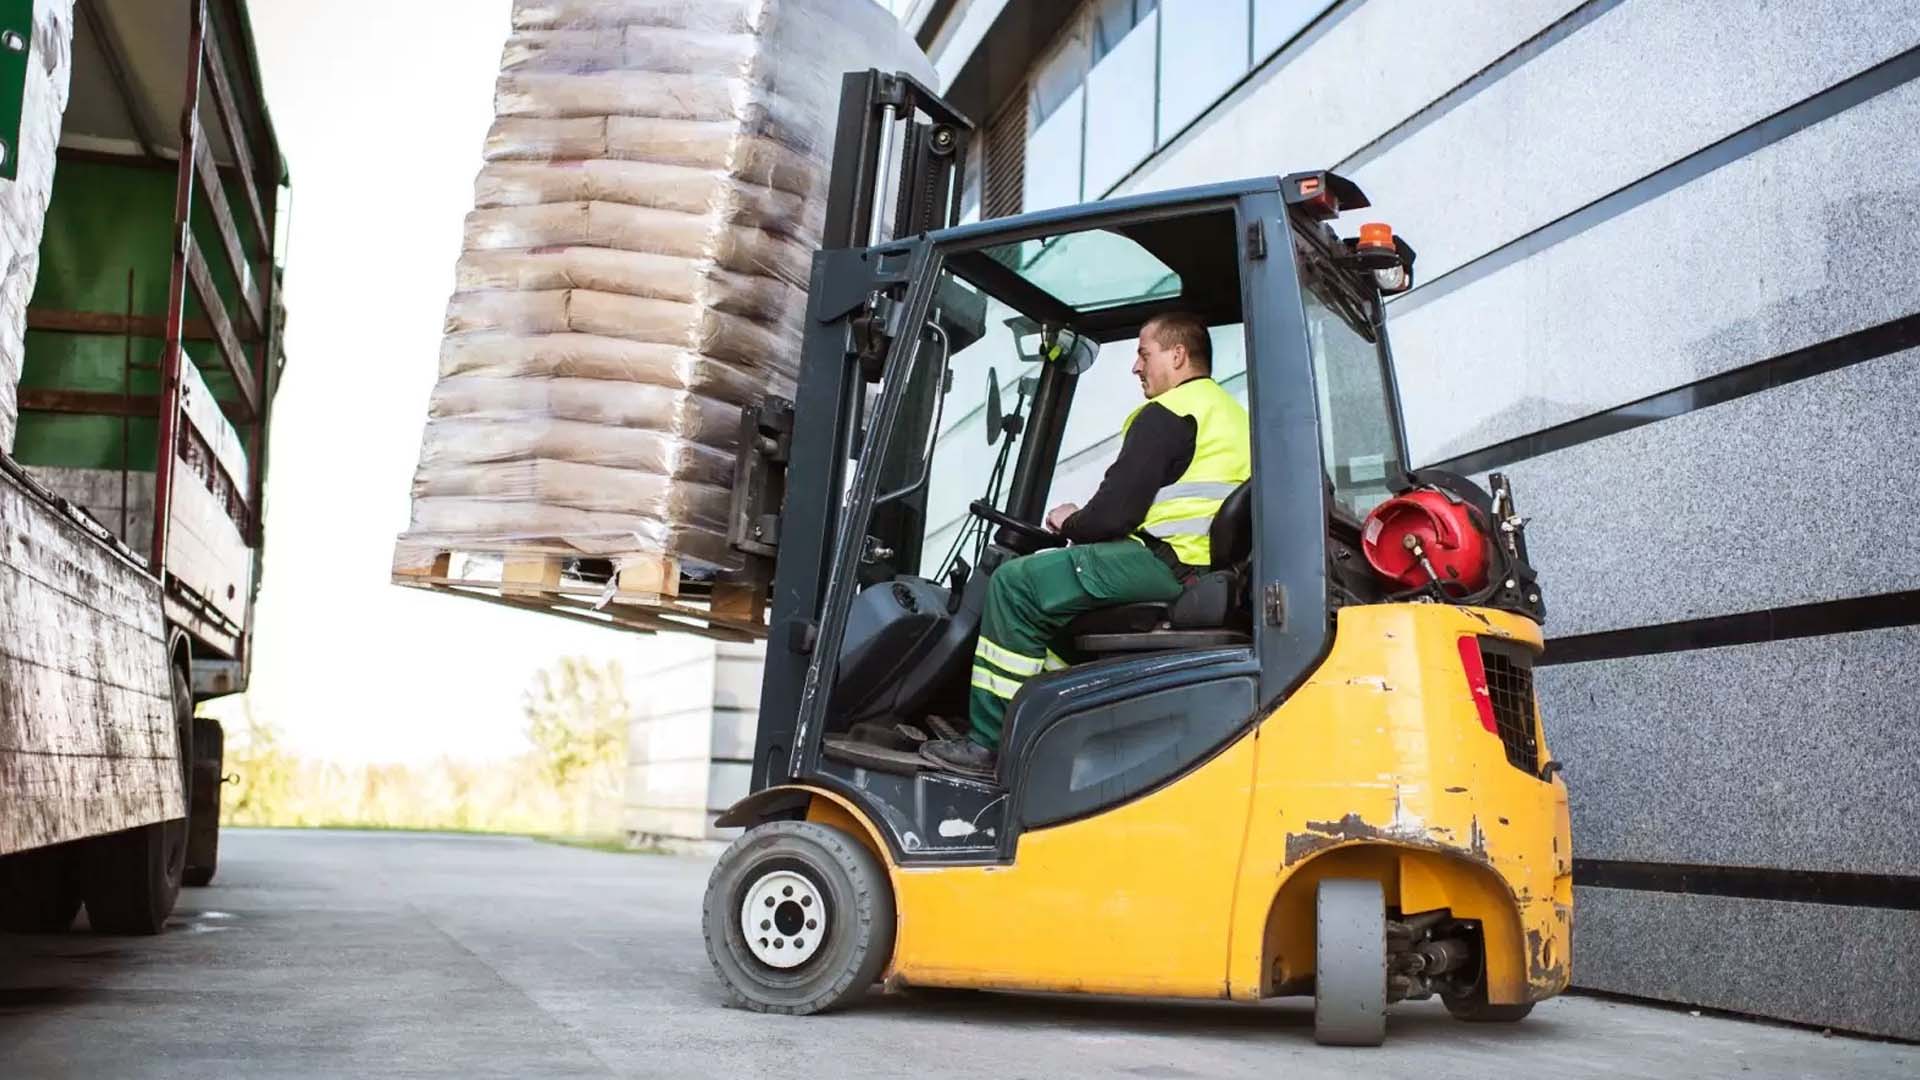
(1035, 534)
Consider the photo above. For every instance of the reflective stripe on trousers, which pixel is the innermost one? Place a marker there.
(1006, 659)
(997, 685)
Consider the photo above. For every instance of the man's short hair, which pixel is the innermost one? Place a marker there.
(1183, 328)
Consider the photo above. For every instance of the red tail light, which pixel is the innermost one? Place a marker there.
(1476, 669)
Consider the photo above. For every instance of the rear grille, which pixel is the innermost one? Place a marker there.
(1510, 685)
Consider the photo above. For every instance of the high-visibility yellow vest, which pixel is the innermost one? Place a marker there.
(1183, 511)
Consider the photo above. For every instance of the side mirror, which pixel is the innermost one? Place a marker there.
(995, 413)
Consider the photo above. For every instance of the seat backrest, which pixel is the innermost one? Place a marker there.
(1231, 536)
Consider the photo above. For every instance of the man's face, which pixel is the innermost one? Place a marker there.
(1158, 367)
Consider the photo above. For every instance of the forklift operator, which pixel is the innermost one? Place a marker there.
(1141, 537)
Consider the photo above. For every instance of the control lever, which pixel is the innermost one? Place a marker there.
(957, 584)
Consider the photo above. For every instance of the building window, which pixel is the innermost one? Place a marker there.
(1058, 77)
(1275, 22)
(1113, 20)
(1124, 78)
(1120, 106)
(1204, 46)
(1053, 160)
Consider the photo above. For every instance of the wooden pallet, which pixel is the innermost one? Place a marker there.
(648, 595)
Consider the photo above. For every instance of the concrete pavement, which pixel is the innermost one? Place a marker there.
(335, 954)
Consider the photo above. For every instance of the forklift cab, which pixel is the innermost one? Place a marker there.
(1055, 301)
(1145, 775)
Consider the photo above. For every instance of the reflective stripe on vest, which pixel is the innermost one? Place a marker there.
(1167, 530)
(1204, 489)
(1182, 512)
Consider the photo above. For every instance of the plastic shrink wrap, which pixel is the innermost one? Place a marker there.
(633, 271)
(23, 200)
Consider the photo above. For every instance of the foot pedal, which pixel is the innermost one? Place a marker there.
(944, 729)
(878, 758)
(886, 736)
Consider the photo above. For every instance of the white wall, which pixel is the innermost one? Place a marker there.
(1296, 112)
(1642, 199)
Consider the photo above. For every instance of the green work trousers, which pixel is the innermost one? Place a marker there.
(1031, 598)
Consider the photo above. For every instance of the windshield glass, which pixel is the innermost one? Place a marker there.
(1092, 270)
(1359, 438)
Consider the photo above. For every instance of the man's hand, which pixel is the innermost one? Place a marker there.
(1057, 517)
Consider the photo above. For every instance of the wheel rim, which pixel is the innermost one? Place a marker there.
(783, 919)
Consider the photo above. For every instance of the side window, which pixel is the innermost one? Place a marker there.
(1357, 432)
(963, 452)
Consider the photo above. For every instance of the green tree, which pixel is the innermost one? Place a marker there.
(266, 773)
(577, 714)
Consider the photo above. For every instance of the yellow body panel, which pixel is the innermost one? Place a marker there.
(1377, 766)
(1137, 900)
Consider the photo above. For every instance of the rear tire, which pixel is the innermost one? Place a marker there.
(131, 879)
(39, 891)
(203, 817)
(1350, 964)
(777, 956)
(1475, 1009)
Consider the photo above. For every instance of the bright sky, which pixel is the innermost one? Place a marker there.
(381, 117)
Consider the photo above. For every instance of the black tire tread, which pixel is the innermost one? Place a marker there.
(1475, 1009)
(128, 878)
(203, 817)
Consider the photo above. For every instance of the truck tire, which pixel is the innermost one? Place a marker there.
(131, 878)
(39, 891)
(203, 818)
(798, 919)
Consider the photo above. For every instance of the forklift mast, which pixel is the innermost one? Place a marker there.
(789, 476)
(875, 106)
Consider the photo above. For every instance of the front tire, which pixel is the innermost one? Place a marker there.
(798, 918)
(1350, 964)
(131, 879)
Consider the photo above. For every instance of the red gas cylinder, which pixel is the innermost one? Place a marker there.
(1447, 534)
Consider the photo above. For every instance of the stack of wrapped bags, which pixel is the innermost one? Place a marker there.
(634, 271)
(23, 200)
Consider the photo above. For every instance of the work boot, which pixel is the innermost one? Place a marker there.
(963, 756)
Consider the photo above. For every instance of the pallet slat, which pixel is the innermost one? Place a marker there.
(645, 595)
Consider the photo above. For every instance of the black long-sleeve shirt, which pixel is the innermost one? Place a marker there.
(1157, 449)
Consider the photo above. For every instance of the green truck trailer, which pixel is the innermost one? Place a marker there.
(141, 190)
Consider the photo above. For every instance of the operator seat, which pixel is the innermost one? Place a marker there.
(1213, 610)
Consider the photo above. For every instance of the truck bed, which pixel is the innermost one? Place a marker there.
(86, 724)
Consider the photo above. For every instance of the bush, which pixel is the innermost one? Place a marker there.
(567, 783)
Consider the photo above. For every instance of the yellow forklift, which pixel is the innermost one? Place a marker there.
(1323, 773)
